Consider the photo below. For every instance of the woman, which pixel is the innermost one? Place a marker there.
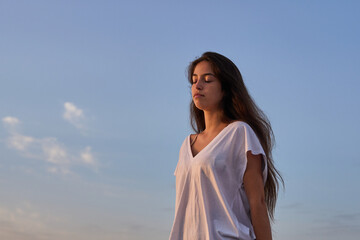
(226, 183)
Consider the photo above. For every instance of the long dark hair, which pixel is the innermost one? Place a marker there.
(237, 104)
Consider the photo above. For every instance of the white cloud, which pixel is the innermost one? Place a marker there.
(73, 115)
(20, 142)
(23, 221)
(48, 149)
(22, 218)
(87, 157)
(54, 152)
(10, 123)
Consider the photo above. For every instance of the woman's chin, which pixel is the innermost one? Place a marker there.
(204, 108)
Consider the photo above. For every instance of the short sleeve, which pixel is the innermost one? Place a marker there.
(250, 142)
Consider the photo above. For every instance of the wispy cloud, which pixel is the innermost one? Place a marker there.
(20, 142)
(29, 222)
(87, 157)
(54, 152)
(73, 115)
(48, 149)
(21, 216)
(11, 123)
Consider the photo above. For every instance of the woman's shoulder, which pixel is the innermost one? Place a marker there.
(240, 124)
(243, 129)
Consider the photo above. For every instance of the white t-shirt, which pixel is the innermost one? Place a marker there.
(211, 203)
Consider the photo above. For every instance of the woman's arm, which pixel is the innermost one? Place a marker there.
(254, 188)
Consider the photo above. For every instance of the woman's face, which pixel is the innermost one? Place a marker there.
(206, 88)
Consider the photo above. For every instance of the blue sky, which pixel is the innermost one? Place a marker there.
(94, 107)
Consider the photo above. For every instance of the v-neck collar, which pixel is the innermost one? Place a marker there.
(210, 143)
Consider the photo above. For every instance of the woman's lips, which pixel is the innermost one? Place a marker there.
(198, 95)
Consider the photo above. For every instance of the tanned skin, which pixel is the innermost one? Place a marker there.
(254, 188)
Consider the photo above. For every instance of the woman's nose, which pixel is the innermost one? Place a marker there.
(199, 85)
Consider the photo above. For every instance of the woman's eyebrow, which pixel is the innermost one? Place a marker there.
(205, 74)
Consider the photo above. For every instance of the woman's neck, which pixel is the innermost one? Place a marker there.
(214, 121)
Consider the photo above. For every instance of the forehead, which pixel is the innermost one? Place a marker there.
(203, 67)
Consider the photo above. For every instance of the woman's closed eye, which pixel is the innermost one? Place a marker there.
(208, 80)
(205, 80)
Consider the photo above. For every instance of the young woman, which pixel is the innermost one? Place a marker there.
(226, 182)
